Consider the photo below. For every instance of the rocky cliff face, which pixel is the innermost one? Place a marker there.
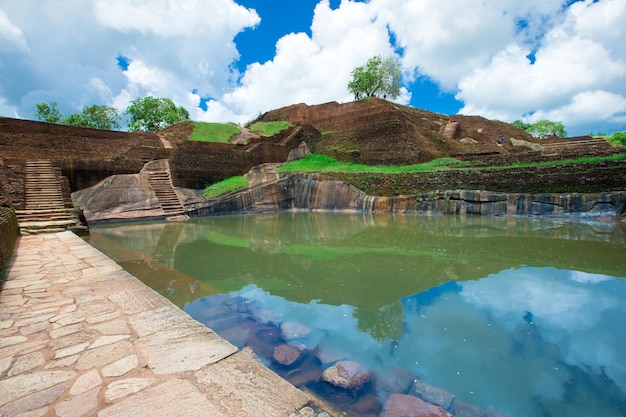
(322, 192)
(125, 197)
(121, 197)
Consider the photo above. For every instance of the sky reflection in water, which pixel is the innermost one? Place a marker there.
(528, 340)
(495, 311)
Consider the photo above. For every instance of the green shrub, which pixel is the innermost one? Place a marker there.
(618, 139)
(213, 132)
(224, 187)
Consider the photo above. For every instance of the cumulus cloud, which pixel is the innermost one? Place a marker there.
(505, 60)
(11, 36)
(311, 69)
(172, 49)
(573, 62)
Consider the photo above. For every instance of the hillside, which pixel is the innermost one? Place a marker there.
(369, 131)
(376, 131)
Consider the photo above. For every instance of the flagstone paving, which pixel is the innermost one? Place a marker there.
(79, 336)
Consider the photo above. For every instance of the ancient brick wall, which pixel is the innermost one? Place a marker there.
(8, 231)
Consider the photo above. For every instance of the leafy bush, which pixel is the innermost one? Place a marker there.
(224, 187)
(153, 114)
(618, 139)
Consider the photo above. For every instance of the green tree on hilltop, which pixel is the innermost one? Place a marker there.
(378, 77)
(547, 128)
(153, 114)
(542, 129)
(96, 117)
(102, 117)
(48, 112)
(521, 125)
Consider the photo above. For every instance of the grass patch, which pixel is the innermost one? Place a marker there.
(269, 128)
(342, 149)
(324, 163)
(213, 132)
(575, 161)
(224, 187)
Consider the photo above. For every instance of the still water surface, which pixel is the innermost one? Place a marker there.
(511, 315)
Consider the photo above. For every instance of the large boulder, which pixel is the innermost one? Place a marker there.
(432, 394)
(349, 375)
(397, 380)
(288, 354)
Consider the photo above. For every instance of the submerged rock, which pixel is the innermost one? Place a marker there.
(401, 405)
(288, 354)
(397, 380)
(348, 375)
(463, 409)
(432, 394)
(328, 357)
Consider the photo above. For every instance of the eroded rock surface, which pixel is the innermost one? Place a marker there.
(349, 375)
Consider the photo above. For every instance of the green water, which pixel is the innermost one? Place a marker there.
(521, 315)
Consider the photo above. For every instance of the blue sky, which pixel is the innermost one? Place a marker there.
(229, 60)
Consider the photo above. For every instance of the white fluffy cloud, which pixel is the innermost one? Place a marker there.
(506, 60)
(311, 69)
(11, 37)
(67, 51)
(578, 75)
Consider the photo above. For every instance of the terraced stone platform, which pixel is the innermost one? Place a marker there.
(79, 336)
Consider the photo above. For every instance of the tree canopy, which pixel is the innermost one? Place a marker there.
(96, 116)
(153, 114)
(377, 77)
(542, 129)
(48, 112)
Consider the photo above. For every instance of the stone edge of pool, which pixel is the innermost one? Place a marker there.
(81, 336)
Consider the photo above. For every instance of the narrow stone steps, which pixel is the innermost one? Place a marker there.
(44, 224)
(162, 185)
(44, 207)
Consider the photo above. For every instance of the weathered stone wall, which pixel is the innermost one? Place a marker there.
(199, 164)
(321, 192)
(9, 230)
(580, 178)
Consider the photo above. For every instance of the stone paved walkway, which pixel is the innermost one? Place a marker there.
(79, 336)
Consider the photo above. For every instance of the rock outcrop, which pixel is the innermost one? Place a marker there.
(324, 193)
(125, 197)
(348, 375)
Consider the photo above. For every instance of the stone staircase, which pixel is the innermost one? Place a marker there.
(44, 208)
(162, 184)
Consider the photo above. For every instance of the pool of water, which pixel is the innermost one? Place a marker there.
(484, 316)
